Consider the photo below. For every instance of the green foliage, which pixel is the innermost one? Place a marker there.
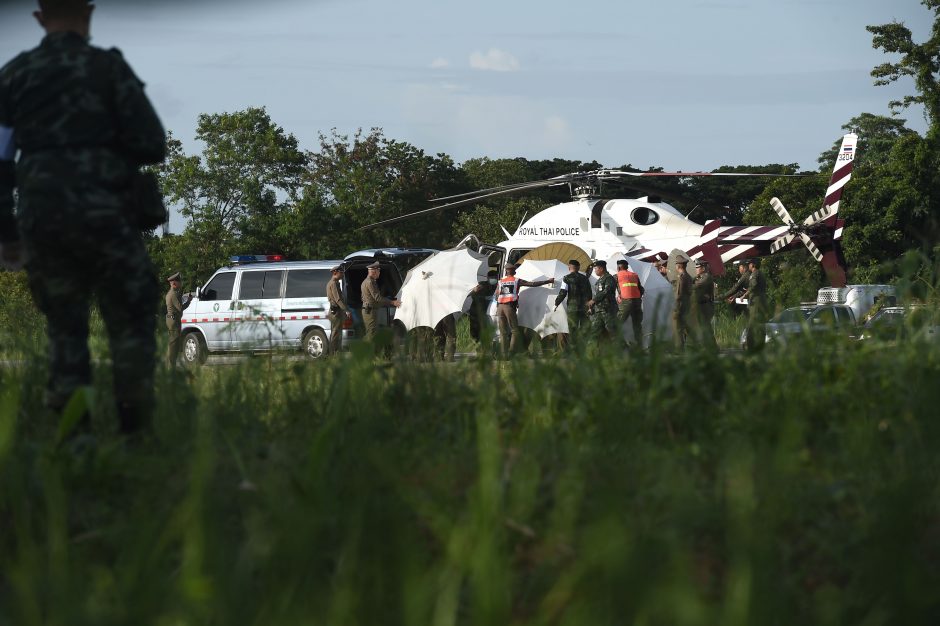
(20, 322)
(697, 490)
(238, 192)
(371, 178)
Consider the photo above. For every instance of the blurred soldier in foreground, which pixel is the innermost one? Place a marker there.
(507, 298)
(82, 123)
(682, 288)
(629, 297)
(703, 304)
(577, 291)
(756, 306)
(603, 305)
(338, 310)
(174, 319)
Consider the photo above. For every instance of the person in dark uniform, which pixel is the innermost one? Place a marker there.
(756, 306)
(682, 289)
(174, 319)
(603, 305)
(703, 306)
(576, 292)
(82, 124)
(479, 303)
(739, 287)
(338, 310)
(445, 339)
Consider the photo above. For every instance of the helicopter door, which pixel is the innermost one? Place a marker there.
(596, 213)
(496, 256)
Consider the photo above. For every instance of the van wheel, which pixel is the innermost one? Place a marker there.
(195, 351)
(315, 344)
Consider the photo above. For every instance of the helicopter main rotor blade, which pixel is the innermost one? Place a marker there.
(699, 174)
(534, 185)
(557, 180)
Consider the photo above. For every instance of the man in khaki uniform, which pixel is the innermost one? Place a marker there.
(338, 310)
(372, 300)
(174, 317)
(703, 306)
(682, 288)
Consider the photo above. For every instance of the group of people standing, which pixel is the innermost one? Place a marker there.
(695, 302)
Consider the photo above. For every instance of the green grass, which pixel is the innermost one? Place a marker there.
(796, 486)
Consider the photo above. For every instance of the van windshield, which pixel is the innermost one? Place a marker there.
(796, 314)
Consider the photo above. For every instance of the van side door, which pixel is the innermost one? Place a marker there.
(304, 300)
(212, 311)
(257, 310)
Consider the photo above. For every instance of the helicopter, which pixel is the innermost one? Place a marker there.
(648, 228)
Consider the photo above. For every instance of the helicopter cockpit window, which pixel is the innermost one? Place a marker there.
(644, 216)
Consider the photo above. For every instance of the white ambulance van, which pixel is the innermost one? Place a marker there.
(260, 303)
(860, 298)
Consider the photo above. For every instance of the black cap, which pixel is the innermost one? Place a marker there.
(755, 261)
(575, 262)
(601, 263)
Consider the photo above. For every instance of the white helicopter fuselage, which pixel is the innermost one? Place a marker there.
(603, 228)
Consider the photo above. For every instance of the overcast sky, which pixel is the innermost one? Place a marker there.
(682, 84)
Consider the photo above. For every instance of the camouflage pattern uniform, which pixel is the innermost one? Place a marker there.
(338, 312)
(682, 288)
(739, 286)
(577, 292)
(174, 324)
(756, 309)
(445, 338)
(479, 302)
(83, 125)
(703, 299)
(604, 318)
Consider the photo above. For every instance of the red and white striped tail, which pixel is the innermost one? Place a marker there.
(841, 174)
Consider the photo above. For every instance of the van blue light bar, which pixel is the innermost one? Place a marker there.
(256, 258)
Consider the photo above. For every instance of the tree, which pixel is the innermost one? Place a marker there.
(922, 63)
(249, 171)
(919, 61)
(371, 178)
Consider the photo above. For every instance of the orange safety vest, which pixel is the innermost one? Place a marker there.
(629, 284)
(508, 291)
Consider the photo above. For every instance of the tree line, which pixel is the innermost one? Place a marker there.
(254, 189)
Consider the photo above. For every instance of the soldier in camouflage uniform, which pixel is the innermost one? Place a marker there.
(604, 304)
(703, 306)
(741, 285)
(577, 291)
(83, 125)
(756, 306)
